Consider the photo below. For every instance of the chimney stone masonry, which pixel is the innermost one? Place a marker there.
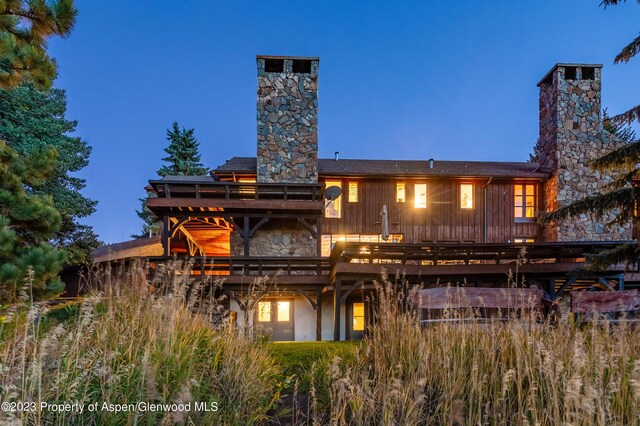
(571, 136)
(287, 119)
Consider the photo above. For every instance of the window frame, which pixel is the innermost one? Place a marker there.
(352, 196)
(415, 195)
(404, 192)
(524, 207)
(337, 203)
(473, 201)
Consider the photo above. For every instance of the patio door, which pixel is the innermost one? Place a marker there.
(274, 317)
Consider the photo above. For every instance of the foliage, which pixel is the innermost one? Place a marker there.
(183, 160)
(31, 119)
(25, 26)
(27, 221)
(130, 345)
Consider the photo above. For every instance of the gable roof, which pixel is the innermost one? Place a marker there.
(349, 167)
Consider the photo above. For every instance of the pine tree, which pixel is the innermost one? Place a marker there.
(28, 261)
(25, 26)
(183, 160)
(30, 120)
(622, 194)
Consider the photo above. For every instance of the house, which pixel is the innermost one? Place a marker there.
(445, 221)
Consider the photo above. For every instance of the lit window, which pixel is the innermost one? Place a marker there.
(264, 311)
(353, 192)
(466, 196)
(524, 240)
(358, 316)
(283, 311)
(524, 201)
(420, 195)
(248, 189)
(400, 197)
(333, 210)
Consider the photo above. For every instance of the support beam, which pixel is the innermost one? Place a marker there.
(245, 235)
(346, 294)
(319, 314)
(337, 303)
(257, 226)
(319, 237)
(165, 235)
(303, 221)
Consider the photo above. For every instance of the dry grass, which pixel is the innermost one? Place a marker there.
(517, 372)
(128, 346)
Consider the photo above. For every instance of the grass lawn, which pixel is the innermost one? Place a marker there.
(297, 358)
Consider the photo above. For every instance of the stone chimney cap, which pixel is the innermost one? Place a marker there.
(305, 58)
(566, 65)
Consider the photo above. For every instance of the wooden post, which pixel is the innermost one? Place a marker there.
(165, 235)
(319, 237)
(319, 314)
(552, 288)
(337, 302)
(245, 235)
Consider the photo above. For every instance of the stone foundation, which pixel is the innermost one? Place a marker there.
(278, 238)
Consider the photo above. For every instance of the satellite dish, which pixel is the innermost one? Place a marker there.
(331, 194)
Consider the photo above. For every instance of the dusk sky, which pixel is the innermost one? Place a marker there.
(397, 80)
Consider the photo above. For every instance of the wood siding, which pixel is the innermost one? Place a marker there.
(442, 220)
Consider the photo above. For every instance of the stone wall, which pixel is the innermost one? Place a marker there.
(571, 136)
(287, 124)
(277, 238)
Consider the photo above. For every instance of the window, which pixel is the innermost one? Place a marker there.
(466, 196)
(358, 317)
(328, 240)
(264, 311)
(284, 311)
(524, 240)
(333, 210)
(400, 193)
(525, 201)
(249, 189)
(353, 192)
(420, 196)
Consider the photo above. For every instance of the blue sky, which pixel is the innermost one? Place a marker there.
(400, 80)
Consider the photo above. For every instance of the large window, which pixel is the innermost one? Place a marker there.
(353, 192)
(284, 311)
(264, 311)
(466, 196)
(524, 201)
(400, 192)
(334, 209)
(420, 195)
(328, 240)
(358, 316)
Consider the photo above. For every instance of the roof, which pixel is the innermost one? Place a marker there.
(134, 248)
(349, 167)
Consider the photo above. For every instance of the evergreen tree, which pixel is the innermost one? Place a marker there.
(183, 160)
(25, 26)
(623, 194)
(30, 120)
(27, 261)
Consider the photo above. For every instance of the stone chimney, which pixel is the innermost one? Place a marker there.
(287, 119)
(571, 136)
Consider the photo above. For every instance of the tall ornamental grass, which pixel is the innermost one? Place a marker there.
(129, 346)
(518, 372)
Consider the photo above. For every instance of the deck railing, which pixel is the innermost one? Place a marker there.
(239, 190)
(253, 265)
(466, 254)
